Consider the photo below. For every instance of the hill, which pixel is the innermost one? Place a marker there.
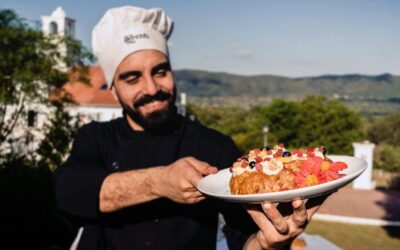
(210, 84)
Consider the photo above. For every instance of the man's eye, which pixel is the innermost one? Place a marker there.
(132, 80)
(161, 72)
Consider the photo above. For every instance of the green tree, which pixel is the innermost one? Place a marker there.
(33, 72)
(279, 116)
(320, 121)
(59, 133)
(386, 130)
(387, 157)
(236, 122)
(30, 71)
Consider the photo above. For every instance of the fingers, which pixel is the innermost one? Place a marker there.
(201, 166)
(313, 204)
(300, 215)
(193, 179)
(258, 217)
(270, 216)
(276, 218)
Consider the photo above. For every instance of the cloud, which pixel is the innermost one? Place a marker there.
(239, 51)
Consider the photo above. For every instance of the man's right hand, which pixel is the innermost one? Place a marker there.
(178, 181)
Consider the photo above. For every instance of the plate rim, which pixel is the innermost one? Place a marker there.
(256, 198)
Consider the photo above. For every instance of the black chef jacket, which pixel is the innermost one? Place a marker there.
(102, 148)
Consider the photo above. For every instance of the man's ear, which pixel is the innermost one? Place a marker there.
(112, 89)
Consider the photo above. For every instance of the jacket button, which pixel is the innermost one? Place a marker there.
(115, 165)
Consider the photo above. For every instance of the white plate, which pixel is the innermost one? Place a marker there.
(217, 185)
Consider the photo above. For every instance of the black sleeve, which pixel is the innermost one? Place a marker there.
(238, 223)
(78, 181)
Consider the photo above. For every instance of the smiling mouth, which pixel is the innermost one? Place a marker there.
(153, 106)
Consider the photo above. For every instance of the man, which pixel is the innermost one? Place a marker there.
(132, 181)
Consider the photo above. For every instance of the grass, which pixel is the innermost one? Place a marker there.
(350, 236)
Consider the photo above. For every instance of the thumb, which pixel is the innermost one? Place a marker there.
(202, 167)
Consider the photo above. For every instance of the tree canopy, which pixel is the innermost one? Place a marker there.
(315, 121)
(30, 69)
(386, 130)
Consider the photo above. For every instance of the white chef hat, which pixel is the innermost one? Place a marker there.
(124, 30)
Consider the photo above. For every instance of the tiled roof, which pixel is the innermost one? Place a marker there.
(95, 94)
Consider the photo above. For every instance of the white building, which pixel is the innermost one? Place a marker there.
(58, 23)
(93, 102)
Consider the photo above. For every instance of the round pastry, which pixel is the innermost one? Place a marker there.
(277, 169)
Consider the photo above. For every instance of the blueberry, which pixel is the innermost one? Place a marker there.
(252, 164)
(267, 148)
(286, 154)
(323, 150)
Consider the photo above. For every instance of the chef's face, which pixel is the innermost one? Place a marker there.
(144, 85)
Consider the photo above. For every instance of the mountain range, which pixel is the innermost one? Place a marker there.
(214, 85)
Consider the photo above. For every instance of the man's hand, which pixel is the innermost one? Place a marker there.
(278, 224)
(178, 181)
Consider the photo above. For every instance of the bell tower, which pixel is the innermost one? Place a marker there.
(58, 24)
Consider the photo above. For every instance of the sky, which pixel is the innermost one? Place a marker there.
(292, 38)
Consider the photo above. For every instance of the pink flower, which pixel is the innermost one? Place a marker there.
(330, 171)
(309, 173)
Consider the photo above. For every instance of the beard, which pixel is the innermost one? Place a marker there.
(156, 121)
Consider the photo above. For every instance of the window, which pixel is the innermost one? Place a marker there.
(53, 28)
(31, 118)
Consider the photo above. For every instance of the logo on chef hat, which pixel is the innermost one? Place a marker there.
(129, 39)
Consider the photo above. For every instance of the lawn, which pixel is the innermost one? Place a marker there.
(350, 236)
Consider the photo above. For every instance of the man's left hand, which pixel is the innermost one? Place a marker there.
(279, 223)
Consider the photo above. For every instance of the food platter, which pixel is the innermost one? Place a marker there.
(217, 185)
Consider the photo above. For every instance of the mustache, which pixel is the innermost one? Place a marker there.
(159, 96)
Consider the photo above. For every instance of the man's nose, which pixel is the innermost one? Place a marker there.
(151, 86)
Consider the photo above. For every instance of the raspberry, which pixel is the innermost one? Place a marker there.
(258, 166)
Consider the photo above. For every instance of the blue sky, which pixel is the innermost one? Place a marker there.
(289, 38)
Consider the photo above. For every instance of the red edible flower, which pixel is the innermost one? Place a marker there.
(315, 171)
(331, 170)
(310, 173)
